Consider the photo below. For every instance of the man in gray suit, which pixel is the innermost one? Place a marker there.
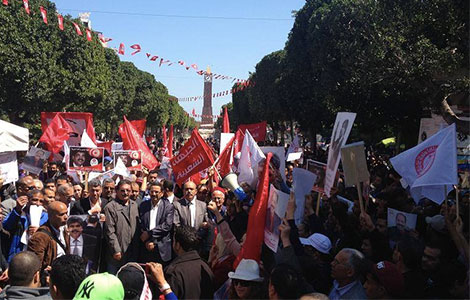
(188, 210)
(121, 228)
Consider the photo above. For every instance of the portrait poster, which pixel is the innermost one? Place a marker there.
(34, 160)
(277, 204)
(399, 220)
(86, 159)
(132, 159)
(8, 167)
(339, 136)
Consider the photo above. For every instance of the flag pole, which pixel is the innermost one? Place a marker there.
(317, 211)
(456, 200)
(445, 196)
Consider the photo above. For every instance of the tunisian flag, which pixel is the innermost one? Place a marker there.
(193, 157)
(226, 125)
(257, 130)
(56, 133)
(169, 145)
(132, 140)
(251, 249)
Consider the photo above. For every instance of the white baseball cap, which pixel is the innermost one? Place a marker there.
(318, 241)
(247, 270)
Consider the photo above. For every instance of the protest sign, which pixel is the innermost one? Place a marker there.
(353, 158)
(277, 205)
(132, 159)
(343, 124)
(294, 156)
(86, 159)
(8, 167)
(302, 184)
(34, 160)
(399, 220)
(224, 140)
(13, 137)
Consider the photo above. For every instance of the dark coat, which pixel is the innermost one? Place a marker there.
(190, 277)
(161, 234)
(82, 206)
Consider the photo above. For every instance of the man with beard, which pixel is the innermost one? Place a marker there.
(78, 158)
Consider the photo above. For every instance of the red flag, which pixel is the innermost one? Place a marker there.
(162, 61)
(104, 39)
(88, 35)
(148, 54)
(181, 62)
(43, 14)
(194, 66)
(251, 249)
(56, 133)
(169, 146)
(193, 157)
(257, 130)
(77, 120)
(77, 28)
(26, 6)
(139, 125)
(133, 141)
(193, 112)
(224, 165)
(60, 20)
(5, 2)
(121, 49)
(154, 58)
(137, 49)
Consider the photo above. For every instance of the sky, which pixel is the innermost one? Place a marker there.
(230, 37)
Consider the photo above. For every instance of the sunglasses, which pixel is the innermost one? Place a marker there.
(242, 283)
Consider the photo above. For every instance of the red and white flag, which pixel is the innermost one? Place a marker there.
(231, 149)
(431, 166)
(77, 28)
(121, 49)
(154, 58)
(137, 49)
(43, 14)
(26, 6)
(162, 61)
(251, 248)
(88, 35)
(193, 157)
(132, 140)
(60, 21)
(194, 66)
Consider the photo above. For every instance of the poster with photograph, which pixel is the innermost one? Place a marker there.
(8, 167)
(400, 221)
(34, 160)
(339, 136)
(353, 158)
(319, 169)
(132, 159)
(280, 153)
(86, 159)
(277, 205)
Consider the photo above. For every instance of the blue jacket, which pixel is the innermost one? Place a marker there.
(15, 224)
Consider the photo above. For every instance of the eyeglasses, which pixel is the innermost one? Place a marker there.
(242, 283)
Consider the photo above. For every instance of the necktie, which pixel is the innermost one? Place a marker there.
(75, 248)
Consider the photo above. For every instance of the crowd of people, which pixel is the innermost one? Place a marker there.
(145, 237)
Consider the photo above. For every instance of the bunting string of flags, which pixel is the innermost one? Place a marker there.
(136, 48)
(240, 87)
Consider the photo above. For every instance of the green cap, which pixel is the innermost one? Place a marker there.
(100, 286)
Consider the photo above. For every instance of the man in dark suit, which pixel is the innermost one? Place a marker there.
(93, 204)
(83, 245)
(168, 187)
(190, 211)
(156, 217)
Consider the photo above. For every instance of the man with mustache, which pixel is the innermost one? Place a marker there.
(82, 244)
(79, 158)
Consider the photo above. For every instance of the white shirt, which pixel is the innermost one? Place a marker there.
(171, 198)
(153, 215)
(97, 204)
(192, 210)
(76, 243)
(60, 251)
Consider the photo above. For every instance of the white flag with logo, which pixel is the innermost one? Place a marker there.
(430, 166)
(251, 155)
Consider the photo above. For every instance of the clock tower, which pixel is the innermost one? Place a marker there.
(207, 108)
